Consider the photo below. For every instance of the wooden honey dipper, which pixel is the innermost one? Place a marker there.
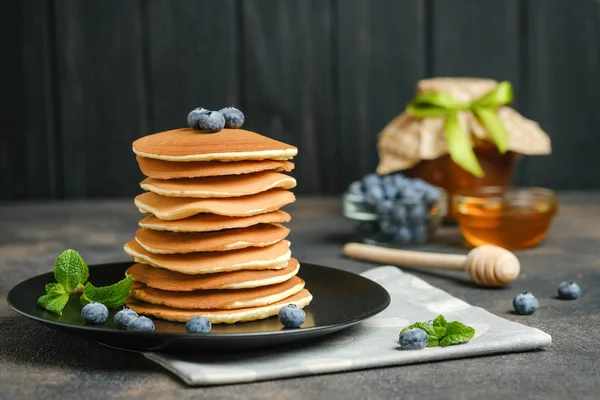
(487, 265)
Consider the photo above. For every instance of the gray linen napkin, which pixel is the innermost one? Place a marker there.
(372, 343)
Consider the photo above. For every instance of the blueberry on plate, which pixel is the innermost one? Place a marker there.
(371, 180)
(291, 316)
(399, 214)
(198, 325)
(210, 121)
(569, 290)
(94, 313)
(141, 324)
(356, 188)
(123, 317)
(374, 195)
(234, 118)
(414, 339)
(403, 235)
(420, 234)
(194, 117)
(525, 303)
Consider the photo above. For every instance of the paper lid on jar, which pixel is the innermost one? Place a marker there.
(407, 140)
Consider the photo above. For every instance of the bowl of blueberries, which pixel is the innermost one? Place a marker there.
(393, 210)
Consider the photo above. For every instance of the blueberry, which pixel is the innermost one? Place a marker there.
(123, 317)
(234, 118)
(416, 213)
(356, 188)
(291, 316)
(399, 214)
(420, 234)
(414, 339)
(420, 184)
(210, 121)
(198, 325)
(390, 191)
(387, 226)
(403, 235)
(569, 290)
(194, 116)
(385, 207)
(141, 324)
(374, 195)
(525, 303)
(411, 195)
(371, 180)
(400, 181)
(432, 194)
(94, 313)
(388, 179)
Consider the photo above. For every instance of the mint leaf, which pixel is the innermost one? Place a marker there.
(111, 296)
(70, 270)
(55, 299)
(55, 288)
(434, 333)
(456, 333)
(439, 321)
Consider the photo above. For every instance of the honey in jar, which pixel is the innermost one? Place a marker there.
(513, 218)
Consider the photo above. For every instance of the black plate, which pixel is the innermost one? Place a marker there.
(341, 299)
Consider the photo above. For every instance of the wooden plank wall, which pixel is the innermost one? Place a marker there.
(79, 81)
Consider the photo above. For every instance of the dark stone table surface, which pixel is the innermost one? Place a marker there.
(37, 362)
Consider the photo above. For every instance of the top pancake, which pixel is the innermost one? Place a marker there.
(187, 144)
(159, 169)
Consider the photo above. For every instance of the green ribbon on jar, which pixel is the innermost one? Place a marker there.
(436, 104)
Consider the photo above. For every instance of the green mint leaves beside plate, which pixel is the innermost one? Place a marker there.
(71, 274)
(443, 333)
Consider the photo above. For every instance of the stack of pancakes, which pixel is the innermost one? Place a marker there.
(213, 244)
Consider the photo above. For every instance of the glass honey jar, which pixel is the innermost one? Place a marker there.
(515, 219)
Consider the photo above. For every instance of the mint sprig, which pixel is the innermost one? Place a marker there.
(71, 274)
(443, 333)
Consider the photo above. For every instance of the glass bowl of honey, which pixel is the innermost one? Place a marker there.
(513, 218)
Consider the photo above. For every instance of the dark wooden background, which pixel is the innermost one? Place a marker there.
(80, 80)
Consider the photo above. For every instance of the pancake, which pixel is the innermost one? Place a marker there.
(159, 169)
(272, 257)
(212, 222)
(261, 235)
(187, 144)
(301, 299)
(218, 299)
(172, 208)
(160, 278)
(219, 186)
